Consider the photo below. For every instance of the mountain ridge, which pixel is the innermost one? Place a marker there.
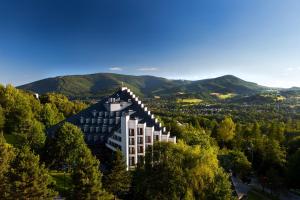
(101, 84)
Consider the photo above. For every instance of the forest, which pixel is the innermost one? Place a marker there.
(211, 149)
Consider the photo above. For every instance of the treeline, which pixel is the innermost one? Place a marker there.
(266, 150)
(199, 166)
(40, 167)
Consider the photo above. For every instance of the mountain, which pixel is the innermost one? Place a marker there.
(101, 84)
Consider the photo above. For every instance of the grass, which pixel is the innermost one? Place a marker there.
(11, 139)
(223, 96)
(280, 98)
(63, 182)
(189, 101)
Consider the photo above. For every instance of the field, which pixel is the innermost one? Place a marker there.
(189, 101)
(223, 96)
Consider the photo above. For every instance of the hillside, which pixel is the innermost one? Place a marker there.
(100, 84)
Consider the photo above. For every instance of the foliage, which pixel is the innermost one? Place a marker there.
(63, 148)
(293, 145)
(62, 104)
(50, 115)
(118, 180)
(192, 136)
(236, 161)
(101, 84)
(27, 178)
(2, 119)
(6, 156)
(293, 170)
(87, 177)
(226, 130)
(181, 172)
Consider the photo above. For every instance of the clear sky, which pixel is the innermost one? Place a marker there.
(257, 40)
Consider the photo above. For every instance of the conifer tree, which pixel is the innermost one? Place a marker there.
(6, 156)
(87, 178)
(28, 179)
(118, 180)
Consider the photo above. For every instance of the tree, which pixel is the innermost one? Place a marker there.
(62, 103)
(293, 145)
(2, 119)
(293, 170)
(236, 161)
(181, 172)
(87, 178)
(28, 179)
(22, 117)
(276, 131)
(226, 130)
(50, 115)
(193, 136)
(64, 146)
(6, 156)
(35, 135)
(118, 180)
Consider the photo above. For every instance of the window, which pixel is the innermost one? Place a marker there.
(131, 161)
(140, 140)
(157, 137)
(131, 132)
(131, 150)
(148, 139)
(140, 159)
(141, 149)
(131, 141)
(141, 131)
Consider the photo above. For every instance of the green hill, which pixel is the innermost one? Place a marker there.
(100, 84)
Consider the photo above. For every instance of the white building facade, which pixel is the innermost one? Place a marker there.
(122, 122)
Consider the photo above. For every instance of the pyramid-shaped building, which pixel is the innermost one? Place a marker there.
(122, 122)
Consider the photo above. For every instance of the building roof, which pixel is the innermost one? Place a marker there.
(130, 106)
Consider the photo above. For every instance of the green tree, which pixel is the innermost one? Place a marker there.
(35, 135)
(28, 179)
(50, 115)
(62, 103)
(276, 131)
(181, 172)
(6, 156)
(64, 146)
(293, 170)
(2, 119)
(236, 161)
(118, 180)
(293, 145)
(226, 130)
(87, 178)
(22, 117)
(194, 136)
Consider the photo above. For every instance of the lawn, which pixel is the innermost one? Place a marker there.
(223, 96)
(63, 182)
(189, 101)
(11, 138)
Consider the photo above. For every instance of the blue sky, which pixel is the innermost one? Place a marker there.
(257, 40)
